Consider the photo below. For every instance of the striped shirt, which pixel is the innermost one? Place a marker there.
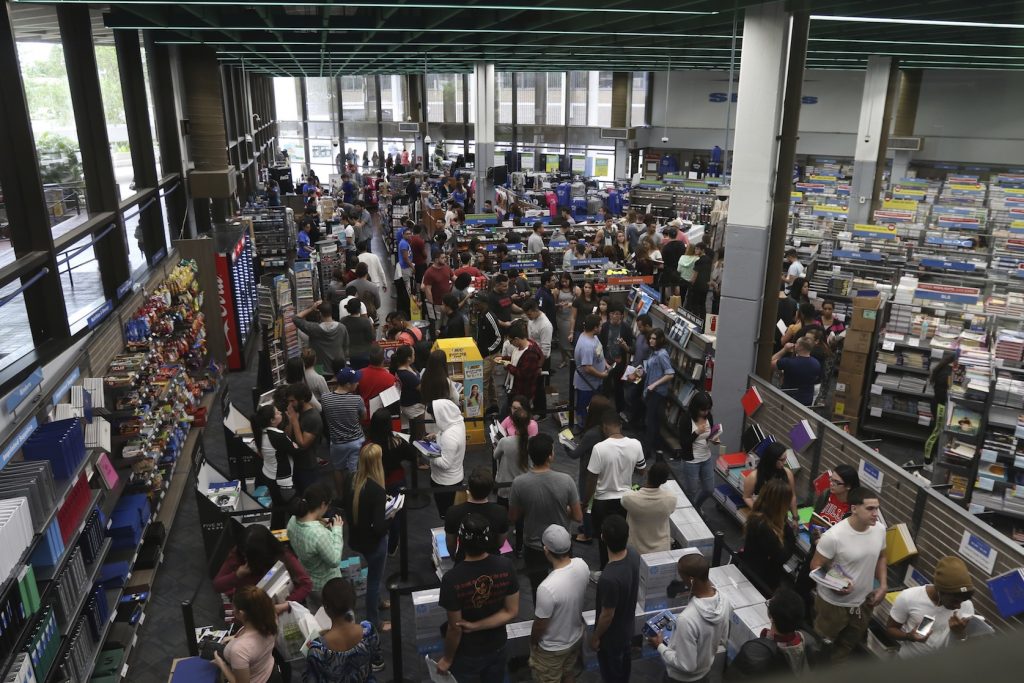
(344, 414)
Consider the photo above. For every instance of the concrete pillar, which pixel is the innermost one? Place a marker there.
(905, 119)
(872, 135)
(622, 82)
(766, 35)
(483, 73)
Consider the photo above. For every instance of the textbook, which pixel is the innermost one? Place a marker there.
(1008, 592)
(899, 545)
(751, 401)
(833, 578)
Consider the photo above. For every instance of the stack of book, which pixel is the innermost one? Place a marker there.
(439, 549)
(1010, 345)
(62, 443)
(1009, 391)
(16, 533)
(34, 481)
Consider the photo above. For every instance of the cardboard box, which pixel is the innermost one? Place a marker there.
(854, 362)
(689, 530)
(858, 341)
(865, 313)
(746, 623)
(657, 571)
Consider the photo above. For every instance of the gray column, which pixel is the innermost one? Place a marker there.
(872, 135)
(904, 119)
(766, 38)
(483, 72)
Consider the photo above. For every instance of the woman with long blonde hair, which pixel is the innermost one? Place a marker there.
(769, 539)
(365, 501)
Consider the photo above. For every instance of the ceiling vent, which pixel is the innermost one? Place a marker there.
(904, 144)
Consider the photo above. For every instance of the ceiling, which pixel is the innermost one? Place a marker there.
(377, 37)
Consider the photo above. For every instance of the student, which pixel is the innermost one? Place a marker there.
(768, 539)
(249, 655)
(939, 378)
(305, 426)
(375, 378)
(557, 634)
(610, 474)
(328, 338)
(518, 404)
(647, 512)
(615, 604)
(771, 465)
(434, 381)
(361, 333)
(475, 636)
(857, 545)
(256, 554)
(593, 434)
(316, 543)
(479, 486)
(700, 628)
(695, 443)
(947, 600)
(535, 244)
(446, 469)
(591, 368)
(833, 505)
(794, 269)
(799, 372)
(541, 497)
(276, 451)
(488, 341)
(437, 282)
(344, 412)
(456, 326)
(525, 364)
(658, 375)
(365, 501)
(511, 454)
(348, 651)
(783, 648)
(316, 382)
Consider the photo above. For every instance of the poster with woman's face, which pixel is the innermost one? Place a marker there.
(473, 387)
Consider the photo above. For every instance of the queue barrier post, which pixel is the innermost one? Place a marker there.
(190, 628)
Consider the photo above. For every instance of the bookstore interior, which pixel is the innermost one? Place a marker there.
(409, 317)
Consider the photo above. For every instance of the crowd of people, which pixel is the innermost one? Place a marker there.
(332, 464)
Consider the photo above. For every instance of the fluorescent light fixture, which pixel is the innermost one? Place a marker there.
(389, 5)
(905, 43)
(913, 22)
(393, 29)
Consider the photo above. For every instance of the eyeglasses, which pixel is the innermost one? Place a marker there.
(836, 482)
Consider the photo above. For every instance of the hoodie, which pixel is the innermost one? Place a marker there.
(328, 339)
(446, 469)
(700, 628)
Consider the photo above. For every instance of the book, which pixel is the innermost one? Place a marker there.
(833, 578)
(1008, 592)
(429, 449)
(730, 460)
(801, 435)
(963, 420)
(566, 438)
(822, 483)
(751, 401)
(899, 544)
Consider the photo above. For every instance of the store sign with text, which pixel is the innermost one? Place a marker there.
(959, 295)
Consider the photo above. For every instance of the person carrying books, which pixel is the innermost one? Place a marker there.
(945, 604)
(853, 550)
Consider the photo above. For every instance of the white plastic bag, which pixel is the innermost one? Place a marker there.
(295, 629)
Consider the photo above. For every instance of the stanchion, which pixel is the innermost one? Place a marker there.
(190, 628)
(416, 499)
(716, 555)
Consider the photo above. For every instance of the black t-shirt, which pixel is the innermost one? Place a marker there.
(311, 423)
(455, 328)
(479, 589)
(940, 382)
(670, 254)
(583, 309)
(617, 589)
(501, 305)
(702, 269)
(496, 515)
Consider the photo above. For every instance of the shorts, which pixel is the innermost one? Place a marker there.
(550, 667)
(345, 455)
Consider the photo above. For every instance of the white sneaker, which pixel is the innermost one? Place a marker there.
(595, 577)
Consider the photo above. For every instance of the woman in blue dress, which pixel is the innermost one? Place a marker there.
(349, 652)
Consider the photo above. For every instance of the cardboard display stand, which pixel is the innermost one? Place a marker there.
(466, 368)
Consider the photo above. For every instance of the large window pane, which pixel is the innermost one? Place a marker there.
(638, 99)
(555, 98)
(526, 98)
(358, 98)
(133, 235)
(152, 116)
(320, 99)
(113, 112)
(286, 98)
(16, 340)
(80, 280)
(392, 98)
(445, 98)
(578, 97)
(599, 99)
(6, 248)
(503, 96)
(53, 127)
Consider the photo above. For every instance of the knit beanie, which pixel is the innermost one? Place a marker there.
(951, 576)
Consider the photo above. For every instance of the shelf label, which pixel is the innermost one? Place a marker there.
(888, 346)
(876, 412)
(99, 314)
(913, 341)
(66, 385)
(15, 444)
(977, 552)
(876, 389)
(23, 391)
(985, 484)
(869, 474)
(924, 420)
(881, 368)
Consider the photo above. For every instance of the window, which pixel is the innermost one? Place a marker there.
(392, 98)
(320, 99)
(638, 99)
(578, 97)
(555, 99)
(133, 233)
(358, 98)
(80, 278)
(53, 127)
(286, 99)
(16, 340)
(6, 248)
(503, 96)
(599, 99)
(526, 98)
(445, 98)
(152, 117)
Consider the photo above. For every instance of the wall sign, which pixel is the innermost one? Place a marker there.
(978, 552)
(23, 390)
(870, 476)
(17, 442)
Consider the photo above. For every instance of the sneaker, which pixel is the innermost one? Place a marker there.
(378, 664)
(595, 577)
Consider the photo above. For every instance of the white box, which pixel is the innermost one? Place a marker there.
(681, 500)
(428, 617)
(689, 530)
(657, 571)
(746, 624)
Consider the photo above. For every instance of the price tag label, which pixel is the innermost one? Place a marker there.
(836, 269)
(888, 346)
(881, 368)
(1018, 461)
(924, 420)
(913, 341)
(988, 455)
(985, 484)
(876, 389)
(840, 387)
(876, 412)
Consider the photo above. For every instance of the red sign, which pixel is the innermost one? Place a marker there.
(630, 279)
(232, 352)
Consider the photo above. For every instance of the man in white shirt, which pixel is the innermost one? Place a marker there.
(610, 474)
(375, 269)
(856, 547)
(535, 244)
(557, 635)
(539, 327)
(945, 603)
(794, 268)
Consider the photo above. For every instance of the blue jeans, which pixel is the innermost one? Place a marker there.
(345, 455)
(375, 560)
(582, 403)
(615, 662)
(488, 667)
(699, 481)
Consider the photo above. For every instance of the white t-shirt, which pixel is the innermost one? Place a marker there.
(912, 606)
(796, 269)
(856, 552)
(344, 302)
(560, 599)
(613, 461)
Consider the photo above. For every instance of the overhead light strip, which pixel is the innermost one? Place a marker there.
(393, 29)
(913, 22)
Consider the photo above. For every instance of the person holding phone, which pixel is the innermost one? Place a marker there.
(927, 618)
(316, 540)
(695, 441)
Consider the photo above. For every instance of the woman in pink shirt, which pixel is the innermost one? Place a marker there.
(249, 655)
(518, 404)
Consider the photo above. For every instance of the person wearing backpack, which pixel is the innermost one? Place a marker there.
(783, 648)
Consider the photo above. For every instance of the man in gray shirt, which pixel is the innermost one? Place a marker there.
(368, 291)
(542, 497)
(535, 244)
(328, 338)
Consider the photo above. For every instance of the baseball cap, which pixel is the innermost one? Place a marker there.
(951, 576)
(348, 376)
(556, 539)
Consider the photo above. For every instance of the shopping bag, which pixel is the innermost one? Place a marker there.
(295, 629)
(414, 309)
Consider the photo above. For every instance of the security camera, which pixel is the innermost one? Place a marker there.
(664, 138)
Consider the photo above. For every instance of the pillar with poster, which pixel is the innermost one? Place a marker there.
(466, 369)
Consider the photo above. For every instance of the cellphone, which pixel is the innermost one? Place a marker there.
(715, 429)
(925, 626)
